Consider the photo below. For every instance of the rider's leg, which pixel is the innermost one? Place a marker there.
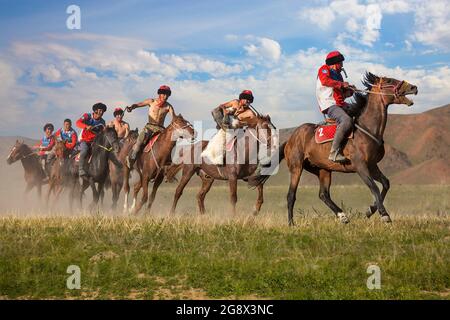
(142, 138)
(84, 150)
(344, 124)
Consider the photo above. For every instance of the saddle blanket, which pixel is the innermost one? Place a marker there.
(325, 133)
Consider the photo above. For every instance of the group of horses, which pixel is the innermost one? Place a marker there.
(107, 162)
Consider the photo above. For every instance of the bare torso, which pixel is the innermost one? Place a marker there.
(122, 128)
(158, 111)
(243, 114)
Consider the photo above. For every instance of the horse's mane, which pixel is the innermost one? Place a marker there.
(359, 103)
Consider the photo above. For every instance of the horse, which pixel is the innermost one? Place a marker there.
(63, 173)
(116, 175)
(364, 150)
(104, 147)
(151, 165)
(34, 174)
(229, 171)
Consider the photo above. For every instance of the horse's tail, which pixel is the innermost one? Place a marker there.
(171, 171)
(261, 179)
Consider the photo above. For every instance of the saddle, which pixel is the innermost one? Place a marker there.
(151, 142)
(326, 130)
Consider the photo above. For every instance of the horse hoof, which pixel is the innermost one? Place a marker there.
(343, 218)
(386, 219)
(371, 211)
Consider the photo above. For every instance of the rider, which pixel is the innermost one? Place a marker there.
(238, 109)
(68, 135)
(91, 125)
(46, 144)
(157, 111)
(331, 91)
(122, 128)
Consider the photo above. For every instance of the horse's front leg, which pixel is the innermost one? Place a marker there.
(144, 185)
(259, 200)
(232, 182)
(377, 175)
(364, 173)
(158, 180)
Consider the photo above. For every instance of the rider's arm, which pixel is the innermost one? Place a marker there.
(127, 130)
(81, 121)
(228, 107)
(326, 80)
(144, 103)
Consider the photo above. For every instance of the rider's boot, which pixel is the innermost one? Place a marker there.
(336, 156)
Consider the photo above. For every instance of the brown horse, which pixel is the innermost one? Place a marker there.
(364, 151)
(63, 174)
(230, 171)
(116, 175)
(150, 165)
(34, 174)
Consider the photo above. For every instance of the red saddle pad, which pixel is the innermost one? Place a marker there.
(150, 144)
(326, 133)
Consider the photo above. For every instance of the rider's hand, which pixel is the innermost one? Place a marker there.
(345, 85)
(88, 128)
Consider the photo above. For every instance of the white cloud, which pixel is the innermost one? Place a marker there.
(322, 16)
(432, 24)
(264, 48)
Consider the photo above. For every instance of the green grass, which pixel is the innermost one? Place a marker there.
(219, 256)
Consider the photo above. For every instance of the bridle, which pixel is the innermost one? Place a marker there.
(23, 156)
(380, 86)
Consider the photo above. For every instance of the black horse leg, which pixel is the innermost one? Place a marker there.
(364, 173)
(377, 175)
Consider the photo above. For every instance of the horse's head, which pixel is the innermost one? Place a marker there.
(392, 91)
(181, 128)
(112, 139)
(18, 152)
(60, 150)
(266, 130)
(133, 135)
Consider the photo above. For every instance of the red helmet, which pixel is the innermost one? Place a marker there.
(334, 57)
(165, 90)
(118, 111)
(246, 94)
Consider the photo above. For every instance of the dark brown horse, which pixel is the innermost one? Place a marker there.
(63, 174)
(364, 151)
(34, 174)
(234, 171)
(150, 165)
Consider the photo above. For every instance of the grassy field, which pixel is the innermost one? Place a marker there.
(218, 256)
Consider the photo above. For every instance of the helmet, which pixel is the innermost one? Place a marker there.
(246, 94)
(165, 90)
(50, 126)
(334, 57)
(99, 105)
(118, 111)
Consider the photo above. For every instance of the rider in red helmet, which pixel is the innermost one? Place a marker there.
(157, 111)
(122, 128)
(239, 109)
(331, 91)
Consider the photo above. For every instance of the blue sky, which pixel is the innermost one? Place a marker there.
(209, 51)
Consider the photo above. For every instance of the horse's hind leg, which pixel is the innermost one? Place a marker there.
(206, 186)
(377, 175)
(158, 180)
(296, 173)
(324, 195)
(260, 199)
(186, 176)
